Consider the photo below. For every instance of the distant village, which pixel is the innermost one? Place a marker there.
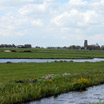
(72, 47)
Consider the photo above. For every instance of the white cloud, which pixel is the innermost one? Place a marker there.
(31, 8)
(77, 3)
(68, 18)
(37, 22)
(96, 38)
(90, 17)
(75, 18)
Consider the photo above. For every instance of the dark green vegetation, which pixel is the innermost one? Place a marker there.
(24, 81)
(51, 53)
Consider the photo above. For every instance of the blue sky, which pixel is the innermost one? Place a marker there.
(51, 22)
(64, 1)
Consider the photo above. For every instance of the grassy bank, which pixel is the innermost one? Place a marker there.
(51, 53)
(24, 82)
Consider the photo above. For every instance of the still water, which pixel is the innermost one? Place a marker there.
(49, 60)
(92, 94)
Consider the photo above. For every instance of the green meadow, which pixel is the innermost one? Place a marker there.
(51, 53)
(23, 82)
(17, 71)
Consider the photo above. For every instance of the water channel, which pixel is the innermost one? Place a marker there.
(49, 60)
(92, 94)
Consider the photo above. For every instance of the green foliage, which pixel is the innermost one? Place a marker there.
(80, 84)
(71, 61)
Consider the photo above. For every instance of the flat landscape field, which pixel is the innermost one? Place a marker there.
(23, 82)
(51, 53)
(20, 71)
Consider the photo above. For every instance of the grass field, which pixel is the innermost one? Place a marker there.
(22, 82)
(18, 71)
(51, 53)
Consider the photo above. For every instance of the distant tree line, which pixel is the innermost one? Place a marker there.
(89, 47)
(72, 47)
(15, 46)
(77, 47)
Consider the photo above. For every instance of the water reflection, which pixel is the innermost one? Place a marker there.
(49, 60)
(90, 95)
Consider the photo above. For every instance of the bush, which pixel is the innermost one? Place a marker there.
(80, 84)
(27, 51)
(8, 62)
(71, 61)
(13, 50)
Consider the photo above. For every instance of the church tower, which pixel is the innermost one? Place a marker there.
(85, 44)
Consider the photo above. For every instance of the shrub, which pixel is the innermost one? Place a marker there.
(83, 81)
(71, 61)
(13, 50)
(27, 51)
(80, 84)
(8, 62)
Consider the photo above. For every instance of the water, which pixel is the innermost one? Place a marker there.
(49, 60)
(91, 95)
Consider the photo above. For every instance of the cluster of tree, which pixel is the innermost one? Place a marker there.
(89, 47)
(57, 47)
(77, 47)
(15, 46)
(7, 46)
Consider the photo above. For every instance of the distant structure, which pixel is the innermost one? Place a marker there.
(85, 44)
(27, 46)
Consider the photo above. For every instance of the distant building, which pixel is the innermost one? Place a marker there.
(37, 47)
(85, 44)
(27, 46)
(20, 46)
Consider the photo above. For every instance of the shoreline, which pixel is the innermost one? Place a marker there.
(63, 92)
(38, 99)
(51, 58)
(54, 86)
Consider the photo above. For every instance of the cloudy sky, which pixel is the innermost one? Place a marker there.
(51, 22)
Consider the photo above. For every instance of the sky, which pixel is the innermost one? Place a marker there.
(51, 22)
